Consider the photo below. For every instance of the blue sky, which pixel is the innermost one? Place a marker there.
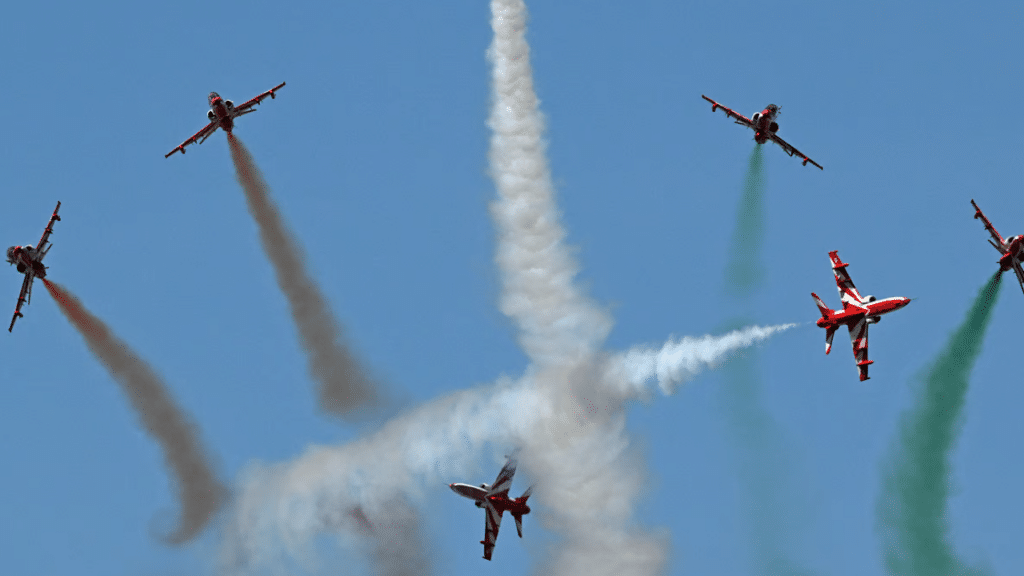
(376, 152)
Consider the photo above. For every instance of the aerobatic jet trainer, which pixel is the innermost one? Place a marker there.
(222, 115)
(858, 312)
(1011, 248)
(764, 126)
(29, 260)
(495, 501)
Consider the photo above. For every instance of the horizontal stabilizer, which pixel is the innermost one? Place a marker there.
(865, 362)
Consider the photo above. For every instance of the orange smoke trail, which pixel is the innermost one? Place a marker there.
(199, 491)
(343, 384)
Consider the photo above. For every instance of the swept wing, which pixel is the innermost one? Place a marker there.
(244, 108)
(197, 138)
(504, 480)
(739, 118)
(26, 292)
(847, 291)
(42, 247)
(791, 150)
(859, 339)
(492, 523)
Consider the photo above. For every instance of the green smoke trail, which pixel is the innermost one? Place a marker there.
(762, 460)
(745, 271)
(763, 467)
(913, 506)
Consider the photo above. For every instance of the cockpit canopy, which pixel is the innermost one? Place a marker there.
(773, 108)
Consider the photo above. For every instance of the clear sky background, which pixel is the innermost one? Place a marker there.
(376, 151)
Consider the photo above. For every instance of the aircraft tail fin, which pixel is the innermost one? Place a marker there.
(825, 310)
(526, 495)
(519, 523)
(519, 517)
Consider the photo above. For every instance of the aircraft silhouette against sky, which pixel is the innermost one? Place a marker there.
(222, 115)
(495, 501)
(1010, 248)
(858, 312)
(29, 260)
(764, 126)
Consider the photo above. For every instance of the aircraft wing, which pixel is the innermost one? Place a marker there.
(46, 233)
(21, 299)
(1019, 272)
(740, 118)
(791, 150)
(859, 339)
(999, 242)
(198, 137)
(258, 99)
(504, 480)
(491, 526)
(847, 291)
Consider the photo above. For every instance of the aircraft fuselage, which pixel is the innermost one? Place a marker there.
(763, 123)
(853, 314)
(479, 495)
(25, 258)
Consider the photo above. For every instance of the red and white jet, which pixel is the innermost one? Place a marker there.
(222, 115)
(764, 126)
(29, 260)
(1011, 248)
(858, 312)
(495, 501)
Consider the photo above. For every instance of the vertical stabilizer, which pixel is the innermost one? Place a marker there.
(825, 310)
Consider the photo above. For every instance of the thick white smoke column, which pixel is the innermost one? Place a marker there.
(556, 321)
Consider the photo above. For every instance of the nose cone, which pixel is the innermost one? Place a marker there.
(902, 302)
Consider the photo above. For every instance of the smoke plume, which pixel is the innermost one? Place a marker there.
(681, 360)
(199, 491)
(555, 319)
(913, 507)
(760, 448)
(745, 270)
(343, 383)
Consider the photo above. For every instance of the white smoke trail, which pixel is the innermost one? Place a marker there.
(678, 361)
(587, 478)
(556, 321)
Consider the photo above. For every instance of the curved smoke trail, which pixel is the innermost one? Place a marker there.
(913, 507)
(343, 384)
(199, 491)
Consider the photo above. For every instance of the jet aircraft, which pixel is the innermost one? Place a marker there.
(764, 126)
(29, 260)
(222, 115)
(495, 501)
(858, 312)
(1011, 248)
